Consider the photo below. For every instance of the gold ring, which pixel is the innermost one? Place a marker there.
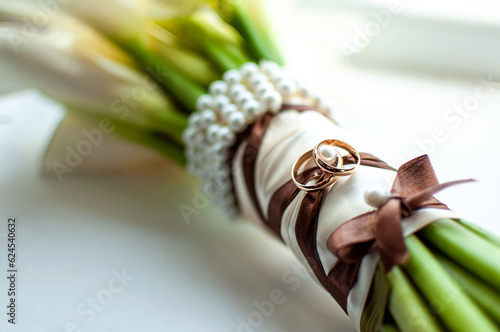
(322, 155)
(328, 157)
(324, 179)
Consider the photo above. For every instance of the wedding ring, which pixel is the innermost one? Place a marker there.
(322, 154)
(328, 157)
(323, 179)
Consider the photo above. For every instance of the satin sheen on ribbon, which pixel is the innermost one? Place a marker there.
(381, 230)
(307, 221)
(413, 188)
(340, 277)
(286, 193)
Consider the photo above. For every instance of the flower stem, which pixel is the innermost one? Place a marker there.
(191, 64)
(479, 231)
(154, 141)
(487, 298)
(161, 142)
(454, 308)
(185, 90)
(407, 307)
(467, 248)
(226, 53)
(220, 57)
(258, 45)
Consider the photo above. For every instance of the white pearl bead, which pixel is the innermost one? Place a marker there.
(304, 92)
(219, 102)
(227, 110)
(207, 117)
(202, 172)
(196, 155)
(243, 97)
(287, 88)
(263, 87)
(191, 152)
(218, 148)
(256, 79)
(195, 168)
(252, 109)
(328, 153)
(248, 69)
(272, 101)
(237, 122)
(376, 196)
(277, 77)
(235, 90)
(269, 67)
(219, 157)
(210, 189)
(225, 192)
(226, 136)
(188, 135)
(232, 77)
(212, 132)
(214, 166)
(204, 102)
(222, 178)
(217, 88)
(194, 120)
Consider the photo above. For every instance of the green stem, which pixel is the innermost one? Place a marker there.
(258, 46)
(468, 249)
(487, 298)
(191, 64)
(454, 308)
(156, 142)
(376, 302)
(481, 232)
(407, 307)
(159, 142)
(172, 124)
(178, 86)
(221, 58)
(225, 53)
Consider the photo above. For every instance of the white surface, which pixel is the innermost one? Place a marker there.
(205, 275)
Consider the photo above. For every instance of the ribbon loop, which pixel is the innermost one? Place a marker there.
(412, 189)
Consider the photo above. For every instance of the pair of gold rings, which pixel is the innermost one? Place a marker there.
(330, 156)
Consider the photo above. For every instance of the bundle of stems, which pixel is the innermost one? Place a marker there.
(452, 280)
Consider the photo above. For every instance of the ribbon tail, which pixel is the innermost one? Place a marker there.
(389, 235)
(353, 239)
(414, 201)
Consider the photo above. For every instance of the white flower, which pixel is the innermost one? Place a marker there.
(124, 20)
(73, 64)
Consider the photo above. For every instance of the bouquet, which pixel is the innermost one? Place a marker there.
(204, 84)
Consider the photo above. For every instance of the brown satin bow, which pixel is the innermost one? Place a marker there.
(412, 189)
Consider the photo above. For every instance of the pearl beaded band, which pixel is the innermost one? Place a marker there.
(232, 105)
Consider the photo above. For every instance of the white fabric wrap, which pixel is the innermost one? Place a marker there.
(290, 135)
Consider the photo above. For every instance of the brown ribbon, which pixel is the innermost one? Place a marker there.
(253, 137)
(288, 191)
(413, 188)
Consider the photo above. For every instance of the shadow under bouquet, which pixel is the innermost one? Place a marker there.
(203, 83)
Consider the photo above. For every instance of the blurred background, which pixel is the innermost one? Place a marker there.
(110, 251)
